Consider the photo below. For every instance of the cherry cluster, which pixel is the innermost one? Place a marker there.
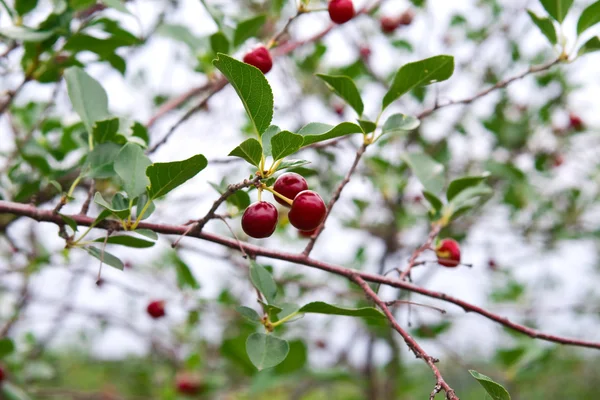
(307, 208)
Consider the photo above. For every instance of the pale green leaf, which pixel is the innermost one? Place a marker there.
(87, 96)
(317, 132)
(25, 34)
(400, 123)
(105, 257)
(263, 281)
(248, 28)
(130, 165)
(266, 351)
(429, 172)
(266, 139)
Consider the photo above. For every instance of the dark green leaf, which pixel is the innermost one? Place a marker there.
(252, 87)
(495, 390)
(128, 241)
(458, 185)
(185, 278)
(22, 7)
(69, 221)
(589, 17)
(87, 96)
(367, 126)
(6, 347)
(105, 130)
(266, 139)
(266, 351)
(429, 172)
(148, 233)
(435, 202)
(119, 212)
(105, 257)
(545, 25)
(219, 43)
(101, 160)
(557, 9)
(284, 144)
(263, 281)
(590, 46)
(296, 358)
(288, 164)
(140, 131)
(250, 150)
(165, 177)
(131, 165)
(346, 89)
(317, 132)
(240, 199)
(248, 28)
(248, 313)
(419, 73)
(319, 307)
(400, 123)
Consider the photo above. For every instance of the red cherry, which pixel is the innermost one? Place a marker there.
(448, 253)
(289, 185)
(341, 11)
(365, 52)
(2, 374)
(308, 211)
(406, 18)
(492, 264)
(260, 58)
(389, 24)
(260, 220)
(187, 383)
(339, 109)
(156, 309)
(575, 122)
(558, 160)
(307, 233)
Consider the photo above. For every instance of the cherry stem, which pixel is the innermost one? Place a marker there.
(282, 197)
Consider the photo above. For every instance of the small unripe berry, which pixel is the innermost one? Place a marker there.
(156, 309)
(289, 185)
(260, 220)
(260, 58)
(341, 11)
(448, 253)
(389, 24)
(406, 18)
(188, 384)
(308, 211)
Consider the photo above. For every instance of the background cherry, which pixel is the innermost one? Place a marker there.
(260, 58)
(260, 220)
(289, 185)
(341, 11)
(2, 375)
(308, 211)
(187, 383)
(156, 309)
(448, 253)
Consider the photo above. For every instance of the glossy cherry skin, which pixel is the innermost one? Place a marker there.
(188, 384)
(448, 253)
(156, 309)
(341, 11)
(260, 58)
(260, 220)
(307, 234)
(308, 211)
(389, 24)
(289, 185)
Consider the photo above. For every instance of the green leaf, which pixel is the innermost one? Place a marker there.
(263, 281)
(147, 233)
(119, 212)
(467, 199)
(22, 7)
(101, 160)
(105, 257)
(494, 389)
(117, 5)
(589, 17)
(252, 87)
(545, 25)
(367, 126)
(69, 221)
(419, 73)
(557, 9)
(105, 130)
(250, 150)
(87, 96)
(185, 278)
(400, 123)
(165, 177)
(6, 347)
(248, 313)
(429, 172)
(319, 307)
(289, 164)
(458, 185)
(266, 139)
(140, 131)
(182, 34)
(590, 46)
(11, 392)
(219, 43)
(317, 132)
(248, 28)
(435, 201)
(346, 89)
(128, 241)
(285, 143)
(131, 165)
(240, 199)
(25, 34)
(266, 351)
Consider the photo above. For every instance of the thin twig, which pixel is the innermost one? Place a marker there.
(435, 230)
